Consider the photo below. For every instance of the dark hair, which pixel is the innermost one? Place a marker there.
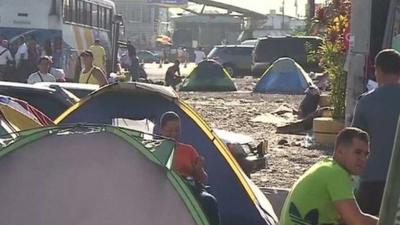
(177, 62)
(169, 116)
(345, 136)
(388, 60)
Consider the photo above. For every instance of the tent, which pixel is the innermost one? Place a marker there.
(96, 175)
(284, 76)
(208, 76)
(17, 115)
(240, 202)
(22, 115)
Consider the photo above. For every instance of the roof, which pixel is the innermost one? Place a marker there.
(245, 12)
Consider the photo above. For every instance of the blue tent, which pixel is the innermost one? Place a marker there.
(284, 76)
(240, 201)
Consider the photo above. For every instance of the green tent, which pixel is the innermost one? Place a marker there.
(208, 76)
(92, 175)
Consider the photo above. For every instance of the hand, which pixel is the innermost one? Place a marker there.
(199, 163)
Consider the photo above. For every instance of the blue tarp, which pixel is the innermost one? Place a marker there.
(284, 76)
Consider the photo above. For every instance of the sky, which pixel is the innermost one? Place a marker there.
(264, 6)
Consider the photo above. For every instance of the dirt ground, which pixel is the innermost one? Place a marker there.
(247, 113)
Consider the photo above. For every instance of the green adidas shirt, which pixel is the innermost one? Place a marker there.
(311, 200)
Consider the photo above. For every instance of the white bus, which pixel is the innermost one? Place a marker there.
(59, 28)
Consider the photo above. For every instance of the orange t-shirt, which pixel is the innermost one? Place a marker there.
(185, 159)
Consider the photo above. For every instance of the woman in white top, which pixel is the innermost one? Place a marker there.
(43, 74)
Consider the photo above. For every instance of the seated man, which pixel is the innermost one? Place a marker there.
(173, 75)
(324, 194)
(189, 164)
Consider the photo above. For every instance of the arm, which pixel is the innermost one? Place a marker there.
(9, 56)
(352, 215)
(101, 78)
(358, 116)
(200, 174)
(104, 56)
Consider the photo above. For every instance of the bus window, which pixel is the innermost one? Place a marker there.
(95, 15)
(105, 18)
(101, 16)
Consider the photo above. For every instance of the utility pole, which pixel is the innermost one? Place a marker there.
(358, 53)
(310, 11)
(283, 15)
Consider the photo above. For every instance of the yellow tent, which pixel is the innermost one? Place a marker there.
(17, 119)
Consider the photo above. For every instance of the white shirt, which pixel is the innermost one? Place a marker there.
(199, 56)
(5, 56)
(22, 51)
(40, 77)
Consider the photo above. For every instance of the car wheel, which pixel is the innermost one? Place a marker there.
(230, 69)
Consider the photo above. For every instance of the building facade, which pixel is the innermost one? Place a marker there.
(279, 25)
(141, 22)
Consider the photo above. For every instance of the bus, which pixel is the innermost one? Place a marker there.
(61, 29)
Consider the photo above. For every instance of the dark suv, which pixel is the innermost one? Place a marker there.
(236, 59)
(298, 48)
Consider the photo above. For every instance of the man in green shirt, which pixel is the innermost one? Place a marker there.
(324, 194)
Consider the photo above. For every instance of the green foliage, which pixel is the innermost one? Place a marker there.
(331, 22)
(332, 62)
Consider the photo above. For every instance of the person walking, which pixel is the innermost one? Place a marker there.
(99, 54)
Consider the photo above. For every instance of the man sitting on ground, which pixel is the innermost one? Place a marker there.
(173, 75)
(324, 194)
(189, 164)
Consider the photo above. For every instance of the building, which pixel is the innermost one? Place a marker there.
(279, 25)
(141, 22)
(205, 30)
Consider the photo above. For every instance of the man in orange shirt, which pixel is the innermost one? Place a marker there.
(189, 164)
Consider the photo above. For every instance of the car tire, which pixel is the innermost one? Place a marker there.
(230, 69)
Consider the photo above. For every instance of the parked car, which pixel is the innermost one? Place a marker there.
(236, 59)
(79, 90)
(148, 56)
(298, 48)
(250, 157)
(51, 101)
